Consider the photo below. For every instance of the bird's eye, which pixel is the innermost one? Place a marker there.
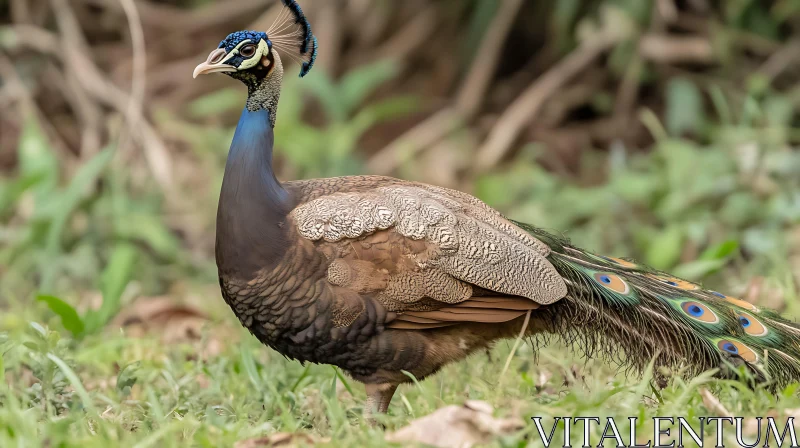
(248, 51)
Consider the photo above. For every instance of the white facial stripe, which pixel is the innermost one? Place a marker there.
(262, 50)
(235, 51)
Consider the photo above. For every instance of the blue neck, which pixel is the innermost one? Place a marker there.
(252, 204)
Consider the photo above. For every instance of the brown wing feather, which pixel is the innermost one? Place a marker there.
(464, 315)
(412, 318)
(466, 241)
(394, 269)
(404, 325)
(478, 309)
(500, 302)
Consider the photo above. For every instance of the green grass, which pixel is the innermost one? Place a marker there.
(113, 390)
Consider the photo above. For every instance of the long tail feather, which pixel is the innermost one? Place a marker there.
(634, 314)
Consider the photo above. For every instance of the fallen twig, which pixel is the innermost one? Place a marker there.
(410, 37)
(470, 96)
(670, 49)
(138, 80)
(786, 57)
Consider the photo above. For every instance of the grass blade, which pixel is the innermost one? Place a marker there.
(114, 280)
(74, 381)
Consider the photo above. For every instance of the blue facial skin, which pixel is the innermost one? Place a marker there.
(233, 39)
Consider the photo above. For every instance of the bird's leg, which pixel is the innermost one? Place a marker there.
(378, 398)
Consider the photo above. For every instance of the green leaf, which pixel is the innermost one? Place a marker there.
(39, 329)
(779, 111)
(252, 371)
(390, 108)
(328, 95)
(684, 107)
(494, 189)
(114, 279)
(214, 103)
(127, 378)
(151, 230)
(480, 18)
(721, 251)
(61, 209)
(665, 248)
(565, 14)
(696, 270)
(361, 82)
(637, 10)
(69, 317)
(635, 187)
(36, 158)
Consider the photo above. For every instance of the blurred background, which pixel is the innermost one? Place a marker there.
(663, 130)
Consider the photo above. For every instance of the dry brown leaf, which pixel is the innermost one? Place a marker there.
(457, 426)
(281, 439)
(175, 322)
(713, 404)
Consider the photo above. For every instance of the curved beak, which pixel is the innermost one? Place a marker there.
(213, 65)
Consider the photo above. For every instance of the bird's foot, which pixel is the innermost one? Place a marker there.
(378, 398)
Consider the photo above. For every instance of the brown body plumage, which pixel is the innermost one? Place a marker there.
(381, 276)
(366, 302)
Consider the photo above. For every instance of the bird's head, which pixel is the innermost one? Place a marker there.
(244, 55)
(252, 56)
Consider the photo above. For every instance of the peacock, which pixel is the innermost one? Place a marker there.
(381, 276)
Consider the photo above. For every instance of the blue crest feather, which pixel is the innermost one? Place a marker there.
(307, 41)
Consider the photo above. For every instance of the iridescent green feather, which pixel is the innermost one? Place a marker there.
(707, 318)
(603, 282)
(615, 305)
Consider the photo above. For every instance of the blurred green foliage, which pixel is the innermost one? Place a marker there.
(330, 150)
(741, 188)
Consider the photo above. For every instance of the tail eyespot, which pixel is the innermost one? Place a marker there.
(699, 312)
(613, 282)
(620, 262)
(738, 302)
(737, 348)
(751, 325)
(675, 282)
(728, 346)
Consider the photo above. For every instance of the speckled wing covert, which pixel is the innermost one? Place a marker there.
(463, 243)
